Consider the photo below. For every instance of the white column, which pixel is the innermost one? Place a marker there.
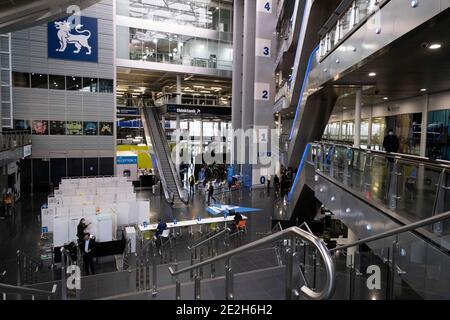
(358, 102)
(201, 140)
(178, 134)
(370, 126)
(179, 90)
(163, 123)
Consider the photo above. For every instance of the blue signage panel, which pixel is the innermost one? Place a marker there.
(73, 42)
(127, 160)
(230, 174)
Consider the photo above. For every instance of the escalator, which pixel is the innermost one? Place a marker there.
(170, 180)
(334, 71)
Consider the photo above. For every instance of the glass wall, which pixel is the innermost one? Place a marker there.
(407, 127)
(378, 132)
(163, 47)
(348, 131)
(206, 14)
(438, 142)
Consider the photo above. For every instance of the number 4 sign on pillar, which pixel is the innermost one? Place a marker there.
(264, 6)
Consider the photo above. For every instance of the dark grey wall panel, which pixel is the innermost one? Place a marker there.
(29, 52)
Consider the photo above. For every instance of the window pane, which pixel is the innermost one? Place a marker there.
(106, 85)
(39, 80)
(74, 128)
(106, 128)
(90, 85)
(58, 128)
(73, 83)
(22, 125)
(21, 79)
(40, 127)
(90, 129)
(57, 82)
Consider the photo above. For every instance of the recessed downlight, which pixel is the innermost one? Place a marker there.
(423, 90)
(372, 74)
(435, 46)
(385, 98)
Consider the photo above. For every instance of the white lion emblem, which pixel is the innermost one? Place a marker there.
(80, 40)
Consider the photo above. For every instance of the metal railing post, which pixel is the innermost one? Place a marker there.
(63, 276)
(19, 271)
(290, 251)
(154, 276)
(197, 284)
(229, 281)
(393, 186)
(192, 263)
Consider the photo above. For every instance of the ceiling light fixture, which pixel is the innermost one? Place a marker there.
(372, 74)
(385, 98)
(435, 46)
(423, 90)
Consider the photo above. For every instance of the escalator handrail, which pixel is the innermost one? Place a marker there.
(441, 164)
(397, 231)
(166, 188)
(293, 232)
(172, 167)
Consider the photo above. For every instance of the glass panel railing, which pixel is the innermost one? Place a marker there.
(348, 22)
(411, 188)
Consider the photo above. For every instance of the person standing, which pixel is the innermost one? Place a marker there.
(391, 142)
(211, 193)
(191, 185)
(81, 229)
(87, 247)
(269, 178)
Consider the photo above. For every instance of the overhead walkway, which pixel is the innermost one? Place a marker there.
(168, 174)
(376, 29)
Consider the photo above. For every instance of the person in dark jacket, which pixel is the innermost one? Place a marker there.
(391, 142)
(87, 247)
(211, 193)
(81, 229)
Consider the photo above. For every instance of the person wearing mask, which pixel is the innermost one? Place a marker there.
(391, 142)
(211, 193)
(87, 247)
(81, 229)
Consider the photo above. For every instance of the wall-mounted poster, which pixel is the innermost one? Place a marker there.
(40, 127)
(90, 128)
(58, 128)
(22, 125)
(106, 128)
(74, 128)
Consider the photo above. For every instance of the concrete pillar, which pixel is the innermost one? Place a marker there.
(179, 90)
(238, 54)
(163, 122)
(358, 107)
(369, 142)
(248, 77)
(424, 133)
(201, 139)
(178, 133)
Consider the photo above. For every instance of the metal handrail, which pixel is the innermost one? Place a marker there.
(224, 231)
(400, 156)
(170, 195)
(397, 231)
(7, 288)
(165, 146)
(285, 234)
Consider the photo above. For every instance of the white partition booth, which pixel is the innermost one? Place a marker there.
(105, 203)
